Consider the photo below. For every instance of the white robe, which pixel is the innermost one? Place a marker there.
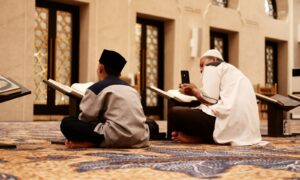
(236, 112)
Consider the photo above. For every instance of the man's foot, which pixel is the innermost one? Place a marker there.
(77, 144)
(184, 138)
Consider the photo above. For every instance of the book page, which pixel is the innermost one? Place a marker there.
(60, 85)
(81, 87)
(173, 93)
(65, 89)
(181, 97)
(8, 87)
(161, 92)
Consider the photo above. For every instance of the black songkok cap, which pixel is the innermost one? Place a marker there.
(112, 61)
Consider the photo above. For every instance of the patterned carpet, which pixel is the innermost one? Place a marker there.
(36, 158)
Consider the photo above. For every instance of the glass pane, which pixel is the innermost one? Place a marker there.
(151, 64)
(221, 3)
(269, 65)
(219, 45)
(63, 52)
(40, 54)
(269, 8)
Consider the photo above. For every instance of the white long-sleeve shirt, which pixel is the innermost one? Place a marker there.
(236, 111)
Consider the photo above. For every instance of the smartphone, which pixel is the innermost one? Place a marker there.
(185, 78)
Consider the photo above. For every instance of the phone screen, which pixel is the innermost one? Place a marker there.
(185, 78)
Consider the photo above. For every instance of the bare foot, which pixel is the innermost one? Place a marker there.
(174, 135)
(184, 138)
(77, 144)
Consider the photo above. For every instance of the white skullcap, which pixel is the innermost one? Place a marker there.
(212, 53)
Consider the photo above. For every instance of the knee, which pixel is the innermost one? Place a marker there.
(65, 123)
(174, 109)
(178, 111)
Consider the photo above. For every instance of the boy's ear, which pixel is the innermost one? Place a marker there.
(101, 68)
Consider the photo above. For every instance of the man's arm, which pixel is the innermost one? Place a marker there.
(192, 90)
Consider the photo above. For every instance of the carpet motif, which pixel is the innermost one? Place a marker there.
(36, 158)
(7, 177)
(194, 163)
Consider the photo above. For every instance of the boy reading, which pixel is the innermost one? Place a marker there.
(111, 111)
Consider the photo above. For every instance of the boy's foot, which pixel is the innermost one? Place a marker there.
(77, 144)
(178, 136)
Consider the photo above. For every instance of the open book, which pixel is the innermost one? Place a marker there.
(173, 93)
(288, 102)
(77, 89)
(7, 87)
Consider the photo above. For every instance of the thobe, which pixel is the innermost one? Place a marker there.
(235, 106)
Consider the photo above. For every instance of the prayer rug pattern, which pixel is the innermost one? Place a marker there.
(36, 158)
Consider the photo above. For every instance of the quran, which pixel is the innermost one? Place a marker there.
(173, 94)
(280, 100)
(7, 87)
(76, 89)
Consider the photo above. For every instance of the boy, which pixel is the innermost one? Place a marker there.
(111, 111)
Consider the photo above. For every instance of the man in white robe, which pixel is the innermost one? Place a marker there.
(228, 113)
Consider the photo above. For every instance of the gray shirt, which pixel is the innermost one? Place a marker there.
(116, 108)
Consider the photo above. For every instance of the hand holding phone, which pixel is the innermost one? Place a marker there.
(185, 78)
